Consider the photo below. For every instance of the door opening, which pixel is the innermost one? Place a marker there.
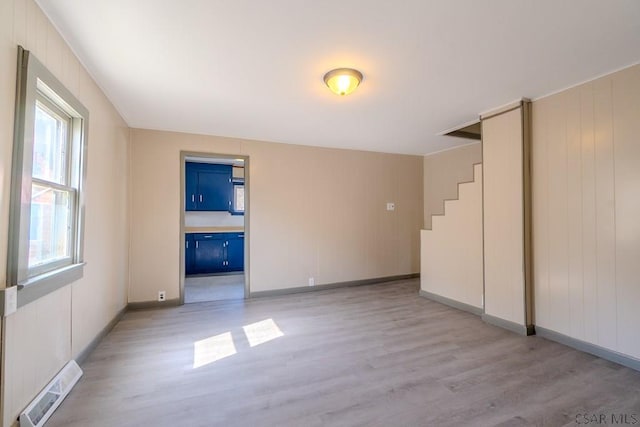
(214, 227)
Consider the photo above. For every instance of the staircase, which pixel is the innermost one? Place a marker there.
(447, 192)
(451, 251)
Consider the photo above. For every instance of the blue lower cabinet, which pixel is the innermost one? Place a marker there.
(235, 252)
(189, 247)
(208, 253)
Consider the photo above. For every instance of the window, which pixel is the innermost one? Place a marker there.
(238, 198)
(47, 183)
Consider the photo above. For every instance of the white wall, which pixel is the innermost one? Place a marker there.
(45, 334)
(218, 219)
(451, 252)
(586, 211)
(314, 212)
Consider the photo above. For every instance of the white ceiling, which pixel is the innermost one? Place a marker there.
(253, 69)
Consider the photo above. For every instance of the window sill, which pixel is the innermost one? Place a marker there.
(39, 286)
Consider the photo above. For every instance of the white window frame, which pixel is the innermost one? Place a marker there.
(35, 82)
(237, 187)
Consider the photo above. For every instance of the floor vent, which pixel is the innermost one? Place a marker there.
(41, 408)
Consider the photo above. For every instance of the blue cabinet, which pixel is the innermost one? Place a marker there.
(208, 253)
(191, 194)
(208, 187)
(188, 254)
(235, 251)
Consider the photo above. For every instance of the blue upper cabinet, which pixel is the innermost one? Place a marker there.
(208, 187)
(191, 187)
(214, 185)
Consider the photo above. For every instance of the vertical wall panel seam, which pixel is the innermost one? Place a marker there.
(484, 296)
(615, 231)
(594, 220)
(524, 261)
(128, 198)
(527, 212)
(565, 123)
(548, 221)
(595, 209)
(584, 329)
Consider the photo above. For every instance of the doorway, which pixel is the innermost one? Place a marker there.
(214, 230)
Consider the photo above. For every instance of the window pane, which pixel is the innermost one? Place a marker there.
(50, 146)
(50, 237)
(238, 198)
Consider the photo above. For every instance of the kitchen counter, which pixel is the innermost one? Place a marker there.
(214, 229)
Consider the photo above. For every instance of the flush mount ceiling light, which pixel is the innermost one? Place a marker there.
(343, 81)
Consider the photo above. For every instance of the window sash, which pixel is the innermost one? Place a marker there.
(238, 196)
(49, 107)
(71, 252)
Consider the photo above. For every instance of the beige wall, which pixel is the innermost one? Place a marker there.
(314, 212)
(45, 334)
(451, 252)
(502, 150)
(586, 210)
(442, 173)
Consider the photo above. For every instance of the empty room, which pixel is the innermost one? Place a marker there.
(339, 213)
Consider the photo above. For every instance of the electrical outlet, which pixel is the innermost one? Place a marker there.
(162, 296)
(391, 206)
(312, 281)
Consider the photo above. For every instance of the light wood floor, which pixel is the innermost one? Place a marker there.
(375, 355)
(213, 288)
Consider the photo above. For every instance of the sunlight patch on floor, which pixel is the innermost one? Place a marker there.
(211, 349)
(262, 332)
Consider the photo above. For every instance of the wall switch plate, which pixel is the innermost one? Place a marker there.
(391, 206)
(10, 300)
(162, 296)
(312, 281)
